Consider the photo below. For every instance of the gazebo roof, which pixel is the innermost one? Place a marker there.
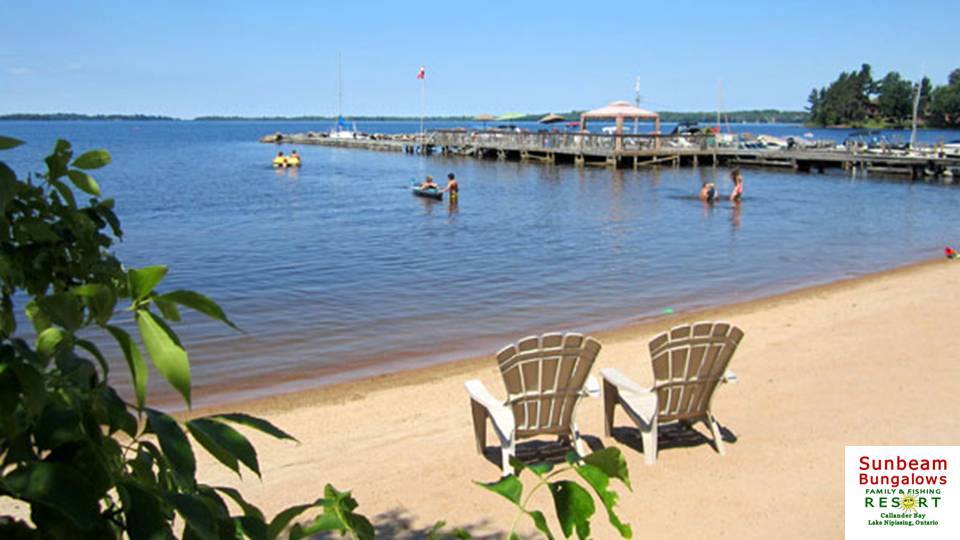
(620, 109)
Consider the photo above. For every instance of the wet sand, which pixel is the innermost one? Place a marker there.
(870, 360)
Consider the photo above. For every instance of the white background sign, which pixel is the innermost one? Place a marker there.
(902, 492)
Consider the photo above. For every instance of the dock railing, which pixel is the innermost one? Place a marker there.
(568, 142)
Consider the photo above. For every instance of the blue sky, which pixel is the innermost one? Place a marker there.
(186, 59)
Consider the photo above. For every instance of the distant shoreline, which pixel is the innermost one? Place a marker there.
(764, 116)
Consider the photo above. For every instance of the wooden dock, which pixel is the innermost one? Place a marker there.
(640, 151)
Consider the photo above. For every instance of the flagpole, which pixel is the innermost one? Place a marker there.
(423, 106)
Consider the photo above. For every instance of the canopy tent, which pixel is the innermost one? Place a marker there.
(618, 110)
(510, 116)
(484, 118)
(551, 119)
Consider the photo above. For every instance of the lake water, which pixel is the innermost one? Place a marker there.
(336, 271)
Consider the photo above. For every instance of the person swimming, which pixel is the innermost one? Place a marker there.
(428, 183)
(293, 160)
(708, 193)
(280, 160)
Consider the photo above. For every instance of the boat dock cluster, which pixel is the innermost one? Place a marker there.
(639, 151)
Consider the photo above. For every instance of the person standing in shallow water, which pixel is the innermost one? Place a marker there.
(737, 179)
(453, 187)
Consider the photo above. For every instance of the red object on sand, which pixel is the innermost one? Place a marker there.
(949, 252)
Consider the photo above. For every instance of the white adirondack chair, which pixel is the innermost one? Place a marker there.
(688, 362)
(545, 377)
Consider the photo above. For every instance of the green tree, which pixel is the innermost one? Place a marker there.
(87, 462)
(895, 98)
(944, 109)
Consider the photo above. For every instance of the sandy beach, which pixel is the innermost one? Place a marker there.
(865, 361)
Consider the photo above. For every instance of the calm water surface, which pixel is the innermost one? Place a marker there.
(336, 271)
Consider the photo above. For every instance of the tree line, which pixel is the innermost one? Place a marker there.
(855, 98)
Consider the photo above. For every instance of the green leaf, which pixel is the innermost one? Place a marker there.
(100, 300)
(600, 482)
(225, 443)
(199, 302)
(50, 341)
(63, 309)
(610, 460)
(176, 448)
(541, 523)
(138, 368)
(57, 161)
(256, 423)
(95, 352)
(58, 424)
(518, 466)
(574, 507)
(540, 469)
(118, 415)
(360, 526)
(508, 487)
(8, 186)
(252, 527)
(281, 520)
(32, 380)
(65, 193)
(94, 159)
(143, 280)
(57, 487)
(197, 515)
(145, 518)
(248, 509)
(41, 321)
(325, 522)
(165, 351)
(84, 182)
(7, 143)
(167, 308)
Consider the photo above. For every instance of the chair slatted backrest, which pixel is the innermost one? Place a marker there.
(689, 362)
(545, 377)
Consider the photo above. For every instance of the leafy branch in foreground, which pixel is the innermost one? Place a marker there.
(573, 504)
(88, 463)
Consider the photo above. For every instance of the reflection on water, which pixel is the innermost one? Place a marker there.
(336, 270)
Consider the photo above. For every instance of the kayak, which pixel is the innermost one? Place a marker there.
(427, 193)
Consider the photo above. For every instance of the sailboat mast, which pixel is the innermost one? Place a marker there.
(916, 107)
(636, 89)
(339, 85)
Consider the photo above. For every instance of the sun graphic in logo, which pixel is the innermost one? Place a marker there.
(908, 503)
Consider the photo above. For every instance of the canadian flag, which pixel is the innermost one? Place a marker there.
(422, 74)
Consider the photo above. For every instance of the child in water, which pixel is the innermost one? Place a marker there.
(293, 160)
(428, 183)
(708, 193)
(453, 187)
(737, 179)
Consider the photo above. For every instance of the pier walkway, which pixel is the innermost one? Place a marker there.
(639, 151)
